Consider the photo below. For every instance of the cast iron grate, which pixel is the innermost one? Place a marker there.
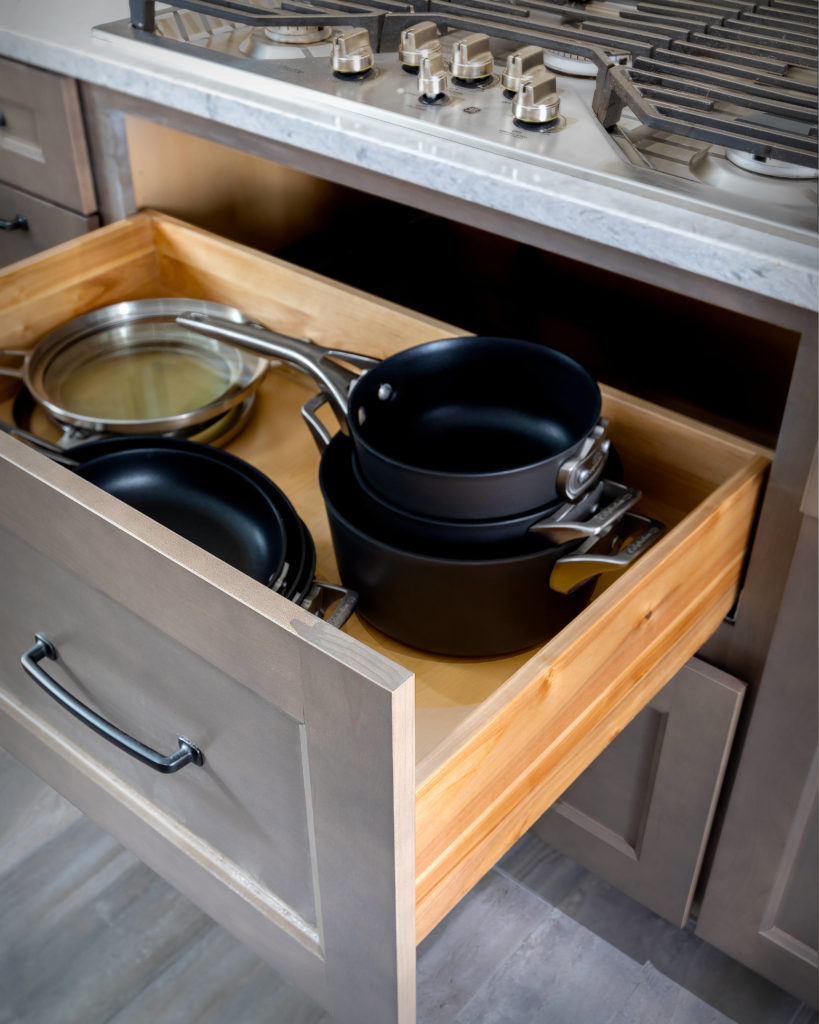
(737, 73)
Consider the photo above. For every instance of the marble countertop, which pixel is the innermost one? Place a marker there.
(56, 35)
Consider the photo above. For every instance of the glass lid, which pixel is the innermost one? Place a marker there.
(131, 367)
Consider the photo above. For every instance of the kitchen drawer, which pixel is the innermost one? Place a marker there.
(461, 754)
(46, 225)
(42, 139)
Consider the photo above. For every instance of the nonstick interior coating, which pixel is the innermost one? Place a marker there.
(201, 499)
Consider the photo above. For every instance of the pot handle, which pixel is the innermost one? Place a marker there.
(321, 435)
(617, 499)
(584, 469)
(13, 354)
(571, 571)
(316, 360)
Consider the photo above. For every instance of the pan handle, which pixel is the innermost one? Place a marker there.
(571, 571)
(322, 595)
(45, 447)
(187, 753)
(10, 355)
(316, 360)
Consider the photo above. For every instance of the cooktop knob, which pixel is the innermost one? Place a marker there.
(471, 58)
(520, 64)
(418, 41)
(432, 79)
(537, 103)
(352, 53)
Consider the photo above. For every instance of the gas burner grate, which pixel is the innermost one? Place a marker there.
(737, 73)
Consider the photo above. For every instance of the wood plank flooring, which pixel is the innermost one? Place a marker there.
(89, 935)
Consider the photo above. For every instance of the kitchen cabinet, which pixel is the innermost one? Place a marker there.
(760, 903)
(379, 783)
(640, 816)
(46, 187)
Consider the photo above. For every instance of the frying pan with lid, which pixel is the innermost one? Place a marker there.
(460, 428)
(130, 368)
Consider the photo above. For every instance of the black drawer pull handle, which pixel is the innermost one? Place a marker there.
(187, 753)
(18, 224)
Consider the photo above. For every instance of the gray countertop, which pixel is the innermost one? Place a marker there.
(56, 35)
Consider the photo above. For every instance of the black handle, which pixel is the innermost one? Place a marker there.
(187, 753)
(18, 224)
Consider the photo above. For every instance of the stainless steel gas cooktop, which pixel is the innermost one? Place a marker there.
(706, 103)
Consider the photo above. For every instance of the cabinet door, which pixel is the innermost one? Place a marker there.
(640, 815)
(296, 833)
(760, 905)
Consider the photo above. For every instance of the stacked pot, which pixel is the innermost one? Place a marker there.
(464, 490)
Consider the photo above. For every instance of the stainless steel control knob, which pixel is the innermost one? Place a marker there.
(519, 65)
(419, 41)
(352, 52)
(472, 58)
(431, 77)
(537, 102)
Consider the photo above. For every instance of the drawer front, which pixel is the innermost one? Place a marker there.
(30, 225)
(265, 834)
(42, 140)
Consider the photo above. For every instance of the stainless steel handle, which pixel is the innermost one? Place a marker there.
(320, 598)
(581, 472)
(316, 360)
(13, 355)
(188, 753)
(40, 445)
(18, 224)
(616, 499)
(571, 571)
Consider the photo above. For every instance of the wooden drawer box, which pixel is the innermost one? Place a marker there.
(478, 748)
(42, 139)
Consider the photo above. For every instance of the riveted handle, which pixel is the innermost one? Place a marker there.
(187, 753)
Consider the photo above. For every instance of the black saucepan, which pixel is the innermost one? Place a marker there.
(460, 428)
(496, 601)
(562, 520)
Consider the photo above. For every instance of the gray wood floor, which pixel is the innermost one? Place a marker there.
(89, 935)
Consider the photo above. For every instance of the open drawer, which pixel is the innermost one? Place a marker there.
(330, 756)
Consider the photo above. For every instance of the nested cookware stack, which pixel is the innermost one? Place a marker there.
(464, 489)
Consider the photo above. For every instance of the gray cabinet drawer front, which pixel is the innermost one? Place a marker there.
(46, 225)
(296, 831)
(246, 800)
(42, 140)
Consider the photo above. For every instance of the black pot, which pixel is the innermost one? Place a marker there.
(460, 428)
(491, 603)
(562, 520)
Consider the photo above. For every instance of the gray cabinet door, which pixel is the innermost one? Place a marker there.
(760, 905)
(640, 815)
